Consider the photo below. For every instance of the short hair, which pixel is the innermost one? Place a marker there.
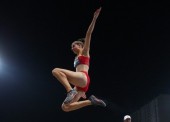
(79, 41)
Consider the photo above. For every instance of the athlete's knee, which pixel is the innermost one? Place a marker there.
(65, 108)
(56, 71)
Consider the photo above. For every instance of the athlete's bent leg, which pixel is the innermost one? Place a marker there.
(66, 77)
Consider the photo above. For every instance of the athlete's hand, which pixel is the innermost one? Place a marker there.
(96, 13)
(81, 94)
(84, 95)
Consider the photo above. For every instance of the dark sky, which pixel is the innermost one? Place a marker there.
(129, 66)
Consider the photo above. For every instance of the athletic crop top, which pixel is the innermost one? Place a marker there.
(81, 60)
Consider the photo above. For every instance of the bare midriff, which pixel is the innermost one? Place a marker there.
(82, 67)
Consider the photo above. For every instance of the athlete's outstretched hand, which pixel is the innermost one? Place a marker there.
(96, 13)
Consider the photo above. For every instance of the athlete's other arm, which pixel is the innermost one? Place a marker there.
(86, 47)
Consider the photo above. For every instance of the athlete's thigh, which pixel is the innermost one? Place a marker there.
(75, 78)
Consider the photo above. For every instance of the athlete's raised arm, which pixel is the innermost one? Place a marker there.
(86, 47)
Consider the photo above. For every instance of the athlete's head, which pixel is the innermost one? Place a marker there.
(127, 118)
(77, 45)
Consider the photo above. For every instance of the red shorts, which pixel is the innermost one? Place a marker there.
(88, 82)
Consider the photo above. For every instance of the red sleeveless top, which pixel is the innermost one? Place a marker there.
(81, 60)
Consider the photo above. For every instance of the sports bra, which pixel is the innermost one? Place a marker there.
(81, 60)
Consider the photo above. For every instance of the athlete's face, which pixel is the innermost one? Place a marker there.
(75, 47)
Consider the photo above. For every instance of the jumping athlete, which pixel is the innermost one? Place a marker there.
(80, 78)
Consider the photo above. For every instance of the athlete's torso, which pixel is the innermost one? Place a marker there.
(81, 63)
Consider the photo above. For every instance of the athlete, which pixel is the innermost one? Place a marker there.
(79, 78)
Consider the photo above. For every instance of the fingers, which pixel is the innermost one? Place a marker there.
(84, 96)
(99, 9)
(97, 12)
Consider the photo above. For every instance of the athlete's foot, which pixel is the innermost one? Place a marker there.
(70, 95)
(97, 102)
